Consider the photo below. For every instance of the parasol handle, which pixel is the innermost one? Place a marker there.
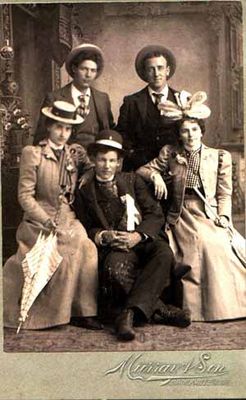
(229, 228)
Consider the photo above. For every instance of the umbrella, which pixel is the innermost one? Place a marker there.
(39, 265)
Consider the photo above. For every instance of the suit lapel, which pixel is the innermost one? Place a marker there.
(90, 193)
(204, 161)
(121, 185)
(99, 106)
(66, 92)
(47, 151)
(142, 103)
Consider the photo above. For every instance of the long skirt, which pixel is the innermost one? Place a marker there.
(71, 291)
(215, 287)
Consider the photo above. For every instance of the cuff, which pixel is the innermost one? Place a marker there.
(99, 239)
(152, 175)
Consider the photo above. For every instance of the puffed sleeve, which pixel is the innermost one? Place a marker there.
(30, 160)
(224, 183)
(81, 159)
(159, 165)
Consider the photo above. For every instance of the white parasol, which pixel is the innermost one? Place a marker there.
(39, 264)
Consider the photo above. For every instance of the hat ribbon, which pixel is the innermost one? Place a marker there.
(63, 113)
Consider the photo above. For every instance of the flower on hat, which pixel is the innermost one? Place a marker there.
(187, 106)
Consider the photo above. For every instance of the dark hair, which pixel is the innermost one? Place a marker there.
(49, 121)
(200, 122)
(101, 148)
(152, 54)
(88, 55)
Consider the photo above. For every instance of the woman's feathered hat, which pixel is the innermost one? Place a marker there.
(187, 106)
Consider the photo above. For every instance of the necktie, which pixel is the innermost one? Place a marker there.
(83, 109)
(57, 153)
(158, 97)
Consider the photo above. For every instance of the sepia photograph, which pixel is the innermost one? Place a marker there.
(122, 198)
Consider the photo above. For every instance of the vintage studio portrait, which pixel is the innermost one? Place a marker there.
(122, 176)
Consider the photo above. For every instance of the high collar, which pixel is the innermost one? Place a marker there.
(191, 151)
(76, 92)
(54, 146)
(100, 180)
(48, 152)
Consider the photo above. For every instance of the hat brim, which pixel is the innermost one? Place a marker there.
(95, 147)
(81, 49)
(143, 54)
(47, 112)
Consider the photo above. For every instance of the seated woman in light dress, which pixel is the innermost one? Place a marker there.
(48, 175)
(215, 286)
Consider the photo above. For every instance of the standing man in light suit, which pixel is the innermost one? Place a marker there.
(145, 131)
(84, 64)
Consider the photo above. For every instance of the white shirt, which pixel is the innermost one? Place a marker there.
(164, 91)
(77, 93)
(105, 180)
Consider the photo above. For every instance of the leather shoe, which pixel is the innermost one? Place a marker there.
(124, 325)
(86, 322)
(170, 315)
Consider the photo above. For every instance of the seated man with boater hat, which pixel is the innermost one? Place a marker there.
(124, 220)
(141, 123)
(84, 64)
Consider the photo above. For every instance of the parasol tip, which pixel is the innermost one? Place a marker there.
(19, 327)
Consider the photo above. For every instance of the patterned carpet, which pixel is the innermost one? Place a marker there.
(199, 335)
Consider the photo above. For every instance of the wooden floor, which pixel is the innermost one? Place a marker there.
(199, 335)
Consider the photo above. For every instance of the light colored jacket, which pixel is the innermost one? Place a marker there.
(38, 188)
(215, 173)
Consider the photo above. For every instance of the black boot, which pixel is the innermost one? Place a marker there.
(170, 315)
(124, 325)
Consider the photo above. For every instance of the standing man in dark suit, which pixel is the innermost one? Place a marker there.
(84, 64)
(125, 221)
(145, 131)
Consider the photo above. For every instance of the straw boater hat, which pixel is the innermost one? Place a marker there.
(148, 50)
(84, 48)
(64, 112)
(107, 139)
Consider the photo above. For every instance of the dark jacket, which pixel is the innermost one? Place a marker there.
(102, 106)
(92, 215)
(143, 131)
